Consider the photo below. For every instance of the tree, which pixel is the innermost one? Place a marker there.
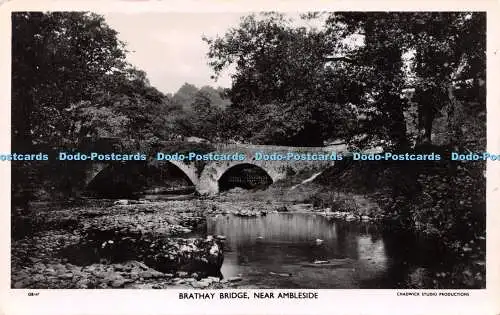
(450, 55)
(448, 48)
(207, 117)
(70, 81)
(281, 89)
(185, 95)
(379, 64)
(216, 96)
(58, 59)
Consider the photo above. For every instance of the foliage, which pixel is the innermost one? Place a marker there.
(443, 200)
(70, 81)
(205, 118)
(346, 79)
(449, 56)
(58, 58)
(282, 93)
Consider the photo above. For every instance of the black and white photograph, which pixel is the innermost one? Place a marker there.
(248, 150)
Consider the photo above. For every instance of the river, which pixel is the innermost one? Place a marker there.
(285, 250)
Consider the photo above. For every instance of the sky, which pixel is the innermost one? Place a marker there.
(169, 48)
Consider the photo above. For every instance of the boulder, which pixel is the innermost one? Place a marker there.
(282, 209)
(203, 256)
(161, 253)
(350, 217)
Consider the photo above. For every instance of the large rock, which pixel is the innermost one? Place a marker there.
(204, 256)
(168, 255)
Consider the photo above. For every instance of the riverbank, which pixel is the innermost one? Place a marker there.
(122, 244)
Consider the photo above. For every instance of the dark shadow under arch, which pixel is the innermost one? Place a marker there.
(133, 179)
(246, 176)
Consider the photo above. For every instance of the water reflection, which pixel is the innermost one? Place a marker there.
(279, 251)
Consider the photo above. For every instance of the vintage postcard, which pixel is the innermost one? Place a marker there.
(225, 157)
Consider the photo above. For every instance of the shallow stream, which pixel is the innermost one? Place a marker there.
(284, 250)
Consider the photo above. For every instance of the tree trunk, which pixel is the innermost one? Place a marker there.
(454, 130)
(454, 122)
(428, 120)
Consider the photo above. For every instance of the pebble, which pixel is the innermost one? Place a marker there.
(118, 283)
(59, 266)
(38, 278)
(234, 279)
(213, 279)
(102, 285)
(66, 276)
(146, 274)
(120, 267)
(39, 266)
(207, 280)
(199, 284)
(319, 262)
(83, 284)
(34, 260)
(22, 284)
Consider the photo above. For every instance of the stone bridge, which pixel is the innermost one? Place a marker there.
(205, 175)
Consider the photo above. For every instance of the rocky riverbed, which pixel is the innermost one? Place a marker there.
(114, 245)
(120, 244)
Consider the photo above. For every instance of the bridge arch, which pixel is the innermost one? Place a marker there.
(188, 170)
(96, 168)
(244, 175)
(212, 173)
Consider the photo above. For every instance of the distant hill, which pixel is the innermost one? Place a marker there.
(186, 94)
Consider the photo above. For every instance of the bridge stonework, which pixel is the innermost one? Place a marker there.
(207, 181)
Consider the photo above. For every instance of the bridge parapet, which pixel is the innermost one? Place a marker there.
(233, 147)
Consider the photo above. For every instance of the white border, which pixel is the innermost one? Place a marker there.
(352, 301)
